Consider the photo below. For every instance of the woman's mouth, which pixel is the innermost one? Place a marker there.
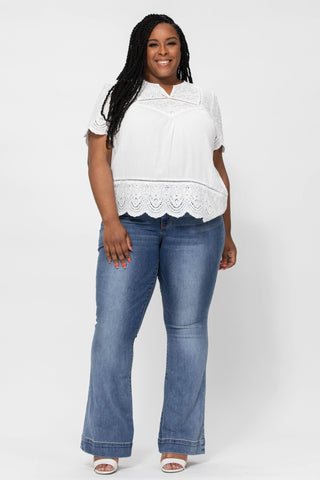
(163, 63)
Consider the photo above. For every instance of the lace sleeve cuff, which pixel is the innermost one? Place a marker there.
(97, 123)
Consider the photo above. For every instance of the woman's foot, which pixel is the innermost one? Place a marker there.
(105, 466)
(173, 466)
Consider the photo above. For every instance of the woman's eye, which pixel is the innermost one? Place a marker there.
(155, 44)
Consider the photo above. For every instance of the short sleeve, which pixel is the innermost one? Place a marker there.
(97, 123)
(216, 112)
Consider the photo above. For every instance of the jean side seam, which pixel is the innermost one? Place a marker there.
(165, 377)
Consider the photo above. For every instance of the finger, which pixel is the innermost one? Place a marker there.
(231, 258)
(108, 254)
(121, 256)
(129, 242)
(114, 256)
(224, 261)
(125, 250)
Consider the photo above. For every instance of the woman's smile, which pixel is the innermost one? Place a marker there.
(163, 55)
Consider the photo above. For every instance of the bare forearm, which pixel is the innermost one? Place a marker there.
(227, 214)
(101, 181)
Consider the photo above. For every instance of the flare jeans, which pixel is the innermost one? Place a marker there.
(184, 253)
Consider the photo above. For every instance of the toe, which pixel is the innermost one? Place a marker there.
(104, 467)
(172, 466)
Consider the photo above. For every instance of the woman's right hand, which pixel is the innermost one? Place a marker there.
(117, 242)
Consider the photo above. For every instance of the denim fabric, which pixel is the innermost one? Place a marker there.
(184, 254)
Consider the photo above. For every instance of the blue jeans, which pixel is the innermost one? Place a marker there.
(184, 254)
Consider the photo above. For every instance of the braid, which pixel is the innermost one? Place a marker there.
(130, 79)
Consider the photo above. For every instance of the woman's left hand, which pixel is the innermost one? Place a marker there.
(229, 255)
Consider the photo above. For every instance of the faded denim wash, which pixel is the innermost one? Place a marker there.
(184, 254)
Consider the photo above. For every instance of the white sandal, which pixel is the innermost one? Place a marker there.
(105, 461)
(180, 461)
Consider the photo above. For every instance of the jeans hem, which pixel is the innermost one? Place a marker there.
(106, 449)
(186, 447)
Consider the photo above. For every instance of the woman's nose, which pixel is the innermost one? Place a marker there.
(163, 49)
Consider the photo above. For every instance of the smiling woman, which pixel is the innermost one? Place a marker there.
(163, 55)
(155, 144)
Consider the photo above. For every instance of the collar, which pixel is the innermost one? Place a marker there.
(185, 91)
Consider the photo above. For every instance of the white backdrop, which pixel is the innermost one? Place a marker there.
(262, 414)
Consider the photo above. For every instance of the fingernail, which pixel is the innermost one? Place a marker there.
(129, 259)
(117, 265)
(124, 265)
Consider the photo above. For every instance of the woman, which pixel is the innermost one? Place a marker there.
(165, 208)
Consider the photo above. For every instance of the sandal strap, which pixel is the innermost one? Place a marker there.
(180, 461)
(108, 461)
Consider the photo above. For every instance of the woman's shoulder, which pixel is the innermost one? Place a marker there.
(207, 94)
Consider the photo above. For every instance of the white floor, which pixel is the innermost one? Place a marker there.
(285, 457)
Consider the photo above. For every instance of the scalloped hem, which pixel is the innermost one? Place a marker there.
(172, 197)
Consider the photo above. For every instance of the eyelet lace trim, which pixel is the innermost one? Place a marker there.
(186, 92)
(173, 197)
(168, 106)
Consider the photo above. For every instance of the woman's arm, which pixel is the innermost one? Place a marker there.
(115, 237)
(230, 252)
(219, 164)
(100, 176)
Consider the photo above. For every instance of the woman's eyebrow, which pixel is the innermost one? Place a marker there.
(155, 40)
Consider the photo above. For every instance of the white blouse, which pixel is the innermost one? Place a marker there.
(162, 159)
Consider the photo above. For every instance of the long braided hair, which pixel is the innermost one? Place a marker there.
(129, 81)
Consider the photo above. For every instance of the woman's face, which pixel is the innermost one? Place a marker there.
(163, 54)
